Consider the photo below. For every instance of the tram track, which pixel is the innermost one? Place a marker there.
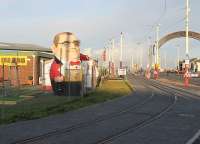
(182, 92)
(177, 90)
(141, 124)
(137, 126)
(134, 127)
(84, 124)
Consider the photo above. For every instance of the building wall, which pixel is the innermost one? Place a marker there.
(198, 66)
(21, 72)
(30, 69)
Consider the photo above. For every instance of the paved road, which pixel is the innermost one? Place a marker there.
(152, 114)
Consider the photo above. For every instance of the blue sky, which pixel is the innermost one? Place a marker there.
(96, 21)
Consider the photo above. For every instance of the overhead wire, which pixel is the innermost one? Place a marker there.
(173, 24)
(162, 14)
(156, 22)
(159, 20)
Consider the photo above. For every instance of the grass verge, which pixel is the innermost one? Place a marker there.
(46, 104)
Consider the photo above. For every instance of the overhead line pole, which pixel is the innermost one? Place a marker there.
(112, 56)
(187, 60)
(187, 30)
(157, 43)
(165, 60)
(178, 57)
(131, 63)
(109, 57)
(141, 57)
(109, 52)
(113, 47)
(121, 46)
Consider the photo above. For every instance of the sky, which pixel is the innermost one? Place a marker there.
(95, 22)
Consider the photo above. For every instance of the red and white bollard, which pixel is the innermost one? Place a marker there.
(155, 74)
(156, 71)
(148, 73)
(186, 76)
(186, 79)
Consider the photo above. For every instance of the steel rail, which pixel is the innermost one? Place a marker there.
(141, 124)
(84, 124)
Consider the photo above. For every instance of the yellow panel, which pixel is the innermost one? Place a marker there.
(13, 60)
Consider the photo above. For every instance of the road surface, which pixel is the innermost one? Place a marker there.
(155, 113)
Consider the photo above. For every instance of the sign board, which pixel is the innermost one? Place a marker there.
(121, 71)
(13, 60)
(194, 75)
(187, 62)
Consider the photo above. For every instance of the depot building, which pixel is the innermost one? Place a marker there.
(23, 64)
(27, 64)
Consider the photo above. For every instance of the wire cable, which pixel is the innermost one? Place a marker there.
(174, 24)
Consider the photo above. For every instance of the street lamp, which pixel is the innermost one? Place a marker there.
(178, 59)
(138, 44)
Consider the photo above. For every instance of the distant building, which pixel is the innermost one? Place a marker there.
(194, 65)
(27, 64)
(22, 64)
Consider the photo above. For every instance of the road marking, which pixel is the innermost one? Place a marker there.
(192, 140)
(176, 98)
(187, 115)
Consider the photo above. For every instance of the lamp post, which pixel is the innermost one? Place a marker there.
(150, 52)
(33, 64)
(137, 61)
(187, 30)
(109, 58)
(141, 57)
(157, 43)
(121, 47)
(178, 57)
(112, 56)
(187, 61)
